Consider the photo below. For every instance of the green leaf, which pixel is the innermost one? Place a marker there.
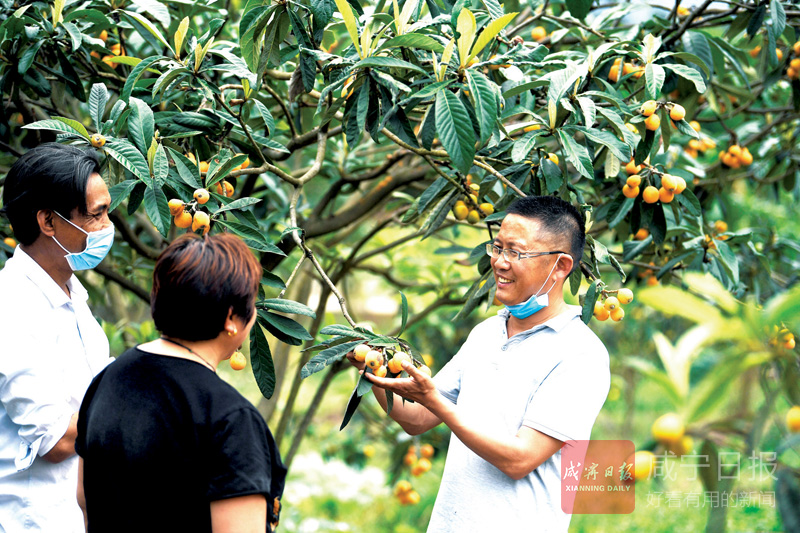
(27, 57)
(136, 73)
(403, 313)
(654, 76)
(327, 357)
(129, 157)
(674, 301)
(141, 124)
(648, 369)
(778, 16)
(355, 399)
(52, 124)
(588, 303)
(339, 329)
(523, 145)
(251, 29)
(350, 23)
(98, 98)
(157, 209)
(415, 41)
(482, 93)
(187, 170)
(239, 203)
(579, 8)
(120, 192)
(553, 179)
(455, 131)
(286, 306)
(291, 329)
(387, 62)
(488, 34)
(139, 22)
(74, 124)
(577, 154)
(689, 73)
(620, 150)
(261, 360)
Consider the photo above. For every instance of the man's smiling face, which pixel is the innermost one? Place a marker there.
(519, 280)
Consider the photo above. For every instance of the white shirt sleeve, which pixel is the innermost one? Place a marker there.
(32, 393)
(567, 402)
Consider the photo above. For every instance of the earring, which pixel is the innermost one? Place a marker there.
(234, 332)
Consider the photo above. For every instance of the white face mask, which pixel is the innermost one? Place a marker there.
(536, 302)
(98, 244)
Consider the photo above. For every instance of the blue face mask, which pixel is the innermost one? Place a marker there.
(535, 303)
(98, 243)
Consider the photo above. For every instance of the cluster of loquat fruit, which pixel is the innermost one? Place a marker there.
(624, 68)
(668, 185)
(611, 306)
(116, 50)
(185, 215)
(387, 361)
(720, 227)
(699, 146)
(405, 493)
(467, 208)
(419, 463)
(782, 337)
(670, 433)
(793, 70)
(736, 156)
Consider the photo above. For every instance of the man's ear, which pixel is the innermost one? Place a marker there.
(563, 267)
(45, 218)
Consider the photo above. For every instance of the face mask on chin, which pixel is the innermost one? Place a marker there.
(535, 303)
(98, 244)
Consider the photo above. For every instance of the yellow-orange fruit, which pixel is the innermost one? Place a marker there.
(183, 219)
(600, 312)
(201, 222)
(630, 192)
(665, 196)
(681, 185)
(201, 195)
(625, 296)
(360, 352)
(669, 182)
(238, 361)
(677, 112)
(648, 108)
(634, 180)
(652, 122)
(374, 359)
(175, 207)
(650, 194)
(539, 33)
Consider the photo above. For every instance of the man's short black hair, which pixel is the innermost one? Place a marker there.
(51, 176)
(558, 217)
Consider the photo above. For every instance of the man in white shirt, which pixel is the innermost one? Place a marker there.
(524, 383)
(57, 204)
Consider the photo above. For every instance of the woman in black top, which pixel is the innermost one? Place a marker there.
(165, 444)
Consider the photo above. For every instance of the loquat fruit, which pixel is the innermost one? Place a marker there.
(201, 222)
(183, 219)
(201, 196)
(238, 361)
(650, 194)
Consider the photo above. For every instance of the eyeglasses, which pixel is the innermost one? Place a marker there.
(513, 255)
